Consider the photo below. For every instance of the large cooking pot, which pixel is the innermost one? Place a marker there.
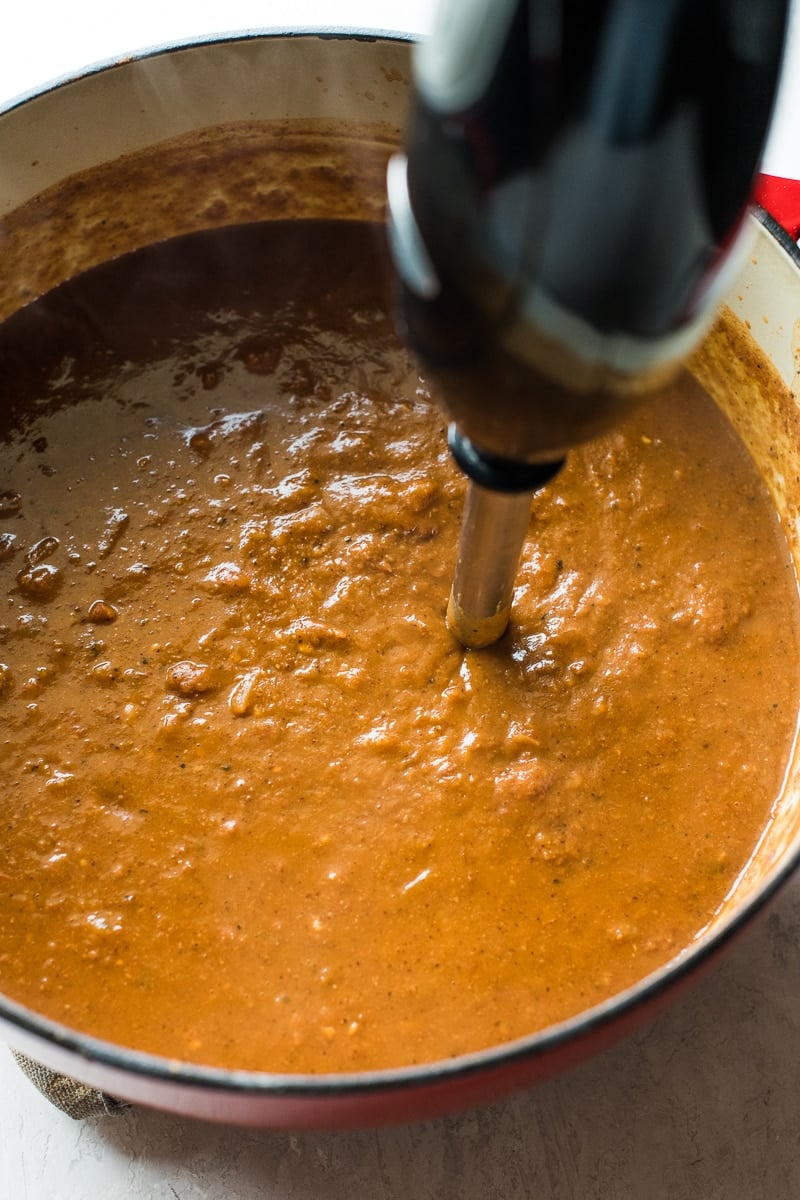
(301, 125)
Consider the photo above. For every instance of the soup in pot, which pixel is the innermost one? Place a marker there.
(260, 809)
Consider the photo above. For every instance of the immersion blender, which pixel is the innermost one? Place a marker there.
(566, 217)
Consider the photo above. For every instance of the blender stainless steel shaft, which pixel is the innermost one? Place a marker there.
(493, 532)
(563, 223)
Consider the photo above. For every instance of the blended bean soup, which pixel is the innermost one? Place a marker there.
(259, 809)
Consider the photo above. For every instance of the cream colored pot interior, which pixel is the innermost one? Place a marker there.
(207, 136)
(750, 365)
(191, 139)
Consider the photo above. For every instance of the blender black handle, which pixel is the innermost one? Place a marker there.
(576, 178)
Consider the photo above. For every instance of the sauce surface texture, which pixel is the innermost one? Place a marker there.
(259, 809)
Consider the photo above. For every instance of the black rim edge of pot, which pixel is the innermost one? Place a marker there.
(784, 239)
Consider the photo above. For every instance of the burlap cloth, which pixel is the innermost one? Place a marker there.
(73, 1098)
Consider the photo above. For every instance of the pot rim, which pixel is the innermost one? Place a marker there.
(160, 49)
(777, 231)
(539, 1044)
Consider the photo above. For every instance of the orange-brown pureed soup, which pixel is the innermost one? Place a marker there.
(259, 809)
